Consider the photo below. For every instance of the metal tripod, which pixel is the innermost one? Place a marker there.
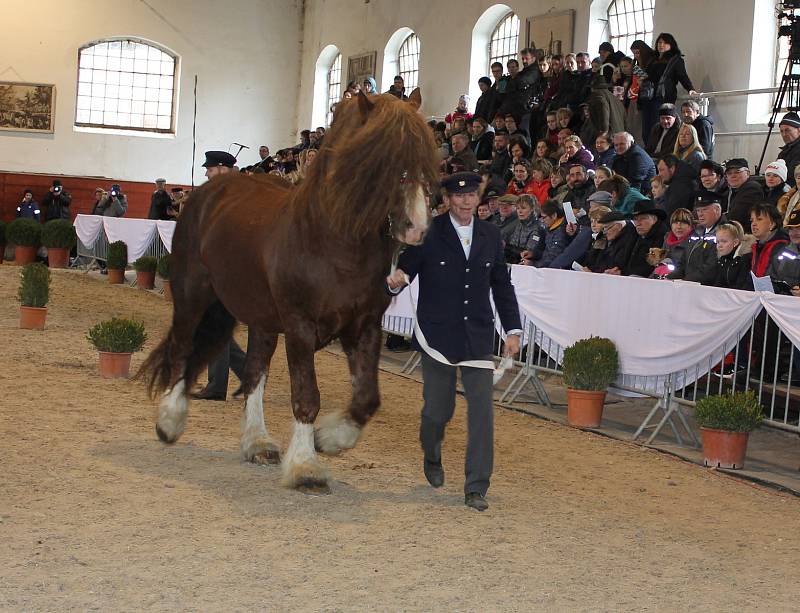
(788, 91)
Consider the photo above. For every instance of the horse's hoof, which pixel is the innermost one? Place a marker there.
(162, 436)
(313, 486)
(266, 456)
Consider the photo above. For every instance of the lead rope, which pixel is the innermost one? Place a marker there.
(497, 374)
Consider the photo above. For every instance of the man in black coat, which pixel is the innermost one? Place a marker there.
(486, 106)
(56, 202)
(160, 202)
(681, 179)
(460, 261)
(528, 84)
(632, 162)
(690, 112)
(501, 158)
(790, 152)
(664, 134)
(651, 229)
(744, 192)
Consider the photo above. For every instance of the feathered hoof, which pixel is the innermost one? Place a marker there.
(310, 478)
(334, 433)
(167, 435)
(262, 451)
(313, 487)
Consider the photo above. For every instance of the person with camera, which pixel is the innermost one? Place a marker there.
(28, 208)
(160, 202)
(56, 202)
(113, 204)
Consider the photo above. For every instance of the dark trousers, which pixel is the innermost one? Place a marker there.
(231, 358)
(439, 393)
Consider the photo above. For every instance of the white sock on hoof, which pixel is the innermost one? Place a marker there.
(255, 437)
(300, 462)
(172, 412)
(336, 431)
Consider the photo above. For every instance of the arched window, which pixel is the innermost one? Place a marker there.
(504, 42)
(630, 20)
(334, 87)
(408, 62)
(127, 84)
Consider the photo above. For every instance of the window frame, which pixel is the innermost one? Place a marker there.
(514, 48)
(415, 55)
(336, 66)
(631, 10)
(115, 128)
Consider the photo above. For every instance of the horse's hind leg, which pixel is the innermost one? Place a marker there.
(339, 430)
(301, 466)
(257, 445)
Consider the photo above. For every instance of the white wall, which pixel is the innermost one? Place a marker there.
(243, 51)
(717, 37)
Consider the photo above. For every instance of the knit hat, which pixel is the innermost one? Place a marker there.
(778, 167)
(668, 109)
(790, 119)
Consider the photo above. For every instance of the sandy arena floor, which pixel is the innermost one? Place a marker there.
(96, 514)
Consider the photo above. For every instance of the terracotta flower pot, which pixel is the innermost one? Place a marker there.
(32, 318)
(114, 365)
(585, 408)
(116, 276)
(145, 280)
(24, 255)
(167, 290)
(724, 449)
(57, 257)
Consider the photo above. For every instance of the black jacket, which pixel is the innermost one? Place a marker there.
(636, 166)
(617, 253)
(791, 155)
(667, 144)
(705, 134)
(740, 200)
(56, 206)
(733, 272)
(501, 162)
(453, 310)
(483, 146)
(160, 203)
(672, 76)
(637, 263)
(580, 192)
(682, 188)
(528, 83)
(487, 105)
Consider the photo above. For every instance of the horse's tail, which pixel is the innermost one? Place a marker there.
(209, 338)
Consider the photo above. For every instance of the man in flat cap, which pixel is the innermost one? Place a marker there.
(160, 201)
(790, 152)
(459, 262)
(232, 357)
(743, 191)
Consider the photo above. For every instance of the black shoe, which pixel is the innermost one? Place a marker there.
(476, 501)
(207, 394)
(434, 473)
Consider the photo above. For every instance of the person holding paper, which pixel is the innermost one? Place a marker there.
(460, 261)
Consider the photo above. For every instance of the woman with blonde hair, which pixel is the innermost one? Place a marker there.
(733, 261)
(688, 148)
(576, 153)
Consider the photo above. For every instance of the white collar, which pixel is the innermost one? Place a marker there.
(458, 226)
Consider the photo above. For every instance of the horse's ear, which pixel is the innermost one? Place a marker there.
(415, 99)
(364, 105)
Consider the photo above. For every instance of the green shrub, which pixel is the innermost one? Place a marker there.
(146, 263)
(24, 232)
(117, 258)
(163, 267)
(739, 412)
(590, 364)
(59, 234)
(34, 286)
(2, 232)
(118, 335)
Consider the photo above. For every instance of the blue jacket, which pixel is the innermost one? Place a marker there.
(29, 210)
(636, 166)
(577, 246)
(454, 311)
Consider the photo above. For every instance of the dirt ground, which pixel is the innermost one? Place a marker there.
(96, 514)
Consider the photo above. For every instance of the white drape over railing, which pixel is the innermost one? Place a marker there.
(137, 234)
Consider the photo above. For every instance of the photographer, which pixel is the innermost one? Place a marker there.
(28, 208)
(160, 202)
(114, 204)
(56, 202)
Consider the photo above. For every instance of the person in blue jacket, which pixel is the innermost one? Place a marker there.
(28, 208)
(459, 262)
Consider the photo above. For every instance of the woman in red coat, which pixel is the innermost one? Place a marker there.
(522, 182)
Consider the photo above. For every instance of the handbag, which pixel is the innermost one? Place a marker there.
(647, 90)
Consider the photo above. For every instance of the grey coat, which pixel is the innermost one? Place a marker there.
(113, 207)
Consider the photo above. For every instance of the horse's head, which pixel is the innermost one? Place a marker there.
(376, 168)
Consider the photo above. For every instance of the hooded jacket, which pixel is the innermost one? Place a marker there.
(705, 134)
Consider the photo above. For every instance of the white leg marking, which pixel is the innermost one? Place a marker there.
(301, 466)
(172, 413)
(256, 445)
(336, 432)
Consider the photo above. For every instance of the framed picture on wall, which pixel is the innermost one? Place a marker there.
(361, 66)
(27, 107)
(552, 32)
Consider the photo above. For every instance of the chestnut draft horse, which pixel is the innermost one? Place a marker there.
(308, 261)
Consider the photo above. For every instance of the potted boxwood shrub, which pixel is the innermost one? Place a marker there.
(725, 426)
(145, 268)
(34, 292)
(117, 261)
(59, 237)
(25, 235)
(2, 240)
(590, 366)
(163, 272)
(115, 340)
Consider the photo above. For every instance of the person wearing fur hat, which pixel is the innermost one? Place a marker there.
(790, 152)
(664, 134)
(775, 181)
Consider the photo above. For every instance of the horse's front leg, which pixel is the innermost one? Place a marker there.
(257, 445)
(341, 430)
(301, 466)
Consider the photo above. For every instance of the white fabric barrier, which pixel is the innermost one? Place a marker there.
(137, 234)
(88, 228)
(784, 311)
(166, 229)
